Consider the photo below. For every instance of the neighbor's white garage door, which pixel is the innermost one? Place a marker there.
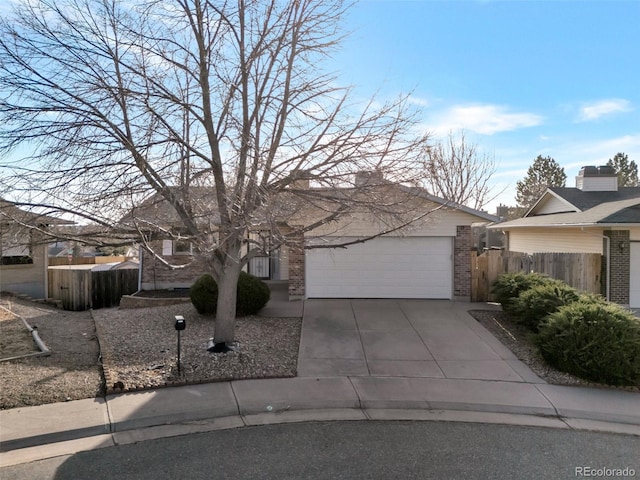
(385, 267)
(634, 275)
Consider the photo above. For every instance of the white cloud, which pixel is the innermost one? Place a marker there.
(418, 101)
(483, 119)
(595, 110)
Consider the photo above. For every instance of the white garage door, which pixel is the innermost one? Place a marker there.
(634, 275)
(385, 267)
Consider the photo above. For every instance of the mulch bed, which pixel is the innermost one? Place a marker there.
(176, 293)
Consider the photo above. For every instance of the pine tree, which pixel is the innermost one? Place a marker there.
(627, 171)
(545, 172)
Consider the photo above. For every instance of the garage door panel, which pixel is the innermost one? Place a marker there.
(386, 267)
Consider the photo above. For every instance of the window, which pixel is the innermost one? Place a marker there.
(16, 260)
(182, 247)
(14, 254)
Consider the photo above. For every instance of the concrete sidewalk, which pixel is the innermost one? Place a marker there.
(359, 360)
(129, 417)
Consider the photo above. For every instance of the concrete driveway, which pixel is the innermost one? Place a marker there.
(403, 338)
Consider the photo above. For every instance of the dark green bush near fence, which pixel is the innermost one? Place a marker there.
(253, 294)
(596, 341)
(509, 286)
(534, 304)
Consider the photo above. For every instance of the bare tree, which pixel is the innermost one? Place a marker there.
(217, 108)
(458, 172)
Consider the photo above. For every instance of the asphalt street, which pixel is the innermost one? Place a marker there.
(355, 450)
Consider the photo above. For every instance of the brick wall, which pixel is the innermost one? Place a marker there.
(156, 275)
(619, 266)
(462, 262)
(296, 266)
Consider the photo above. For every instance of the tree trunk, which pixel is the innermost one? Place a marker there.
(226, 308)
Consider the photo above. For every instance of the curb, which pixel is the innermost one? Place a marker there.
(75, 441)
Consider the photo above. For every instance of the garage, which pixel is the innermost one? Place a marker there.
(384, 267)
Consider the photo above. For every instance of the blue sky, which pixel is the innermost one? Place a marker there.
(522, 78)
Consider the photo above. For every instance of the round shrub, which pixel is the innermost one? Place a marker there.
(204, 294)
(509, 286)
(253, 294)
(534, 304)
(596, 341)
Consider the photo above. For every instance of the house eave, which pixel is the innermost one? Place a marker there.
(565, 225)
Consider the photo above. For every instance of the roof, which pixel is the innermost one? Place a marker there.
(610, 208)
(155, 210)
(586, 200)
(10, 213)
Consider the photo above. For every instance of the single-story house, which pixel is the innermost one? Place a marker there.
(23, 251)
(595, 216)
(430, 258)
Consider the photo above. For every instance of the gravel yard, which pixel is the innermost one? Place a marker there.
(71, 372)
(139, 348)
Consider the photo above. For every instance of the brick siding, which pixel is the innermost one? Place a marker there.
(156, 275)
(296, 266)
(462, 262)
(619, 266)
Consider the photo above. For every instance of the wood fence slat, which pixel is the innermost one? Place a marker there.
(580, 270)
(84, 289)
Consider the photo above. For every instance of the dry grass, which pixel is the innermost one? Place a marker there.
(71, 372)
(15, 339)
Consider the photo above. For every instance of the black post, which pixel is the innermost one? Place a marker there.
(179, 331)
(180, 325)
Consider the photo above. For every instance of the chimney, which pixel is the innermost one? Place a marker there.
(300, 180)
(597, 179)
(372, 177)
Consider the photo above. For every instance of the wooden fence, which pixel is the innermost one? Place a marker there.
(59, 261)
(84, 289)
(580, 270)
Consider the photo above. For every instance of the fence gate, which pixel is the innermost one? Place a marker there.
(83, 289)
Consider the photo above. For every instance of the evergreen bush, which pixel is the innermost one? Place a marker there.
(253, 294)
(596, 341)
(534, 304)
(509, 286)
(204, 294)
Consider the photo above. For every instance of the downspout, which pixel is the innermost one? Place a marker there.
(140, 252)
(607, 257)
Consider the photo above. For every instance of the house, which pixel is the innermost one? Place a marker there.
(595, 216)
(23, 250)
(428, 258)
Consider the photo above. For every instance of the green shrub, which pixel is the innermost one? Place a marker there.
(509, 286)
(591, 298)
(596, 341)
(534, 304)
(204, 294)
(253, 294)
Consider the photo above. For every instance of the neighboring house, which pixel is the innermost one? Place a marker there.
(431, 258)
(594, 217)
(24, 260)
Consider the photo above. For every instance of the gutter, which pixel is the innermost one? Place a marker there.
(139, 269)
